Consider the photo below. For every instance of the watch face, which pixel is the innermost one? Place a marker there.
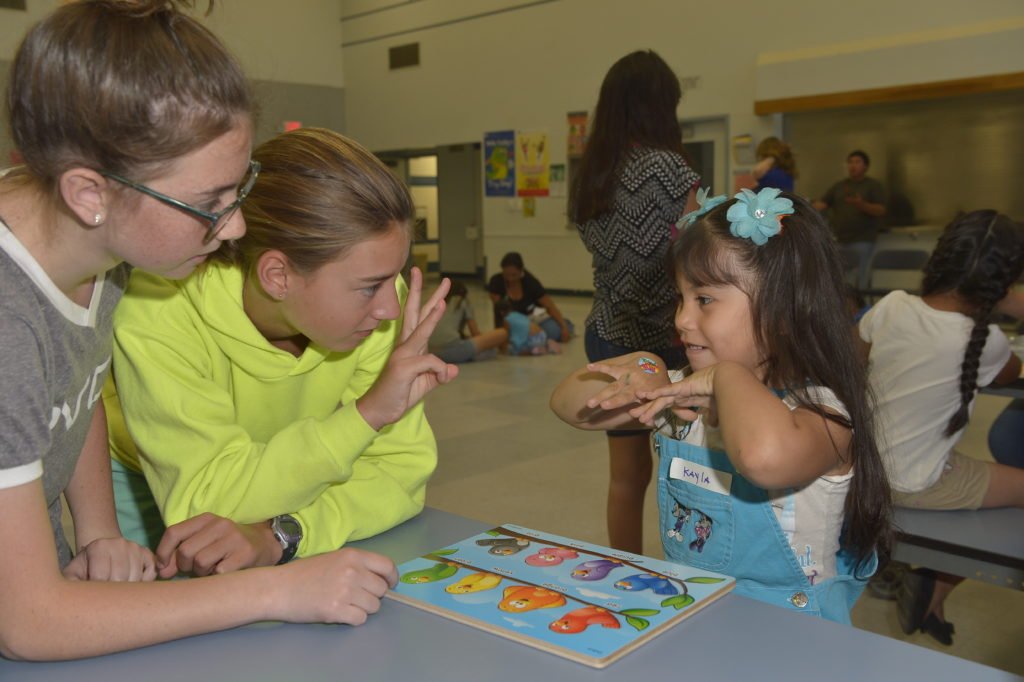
(288, 528)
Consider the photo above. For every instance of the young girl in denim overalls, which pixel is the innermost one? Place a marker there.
(768, 466)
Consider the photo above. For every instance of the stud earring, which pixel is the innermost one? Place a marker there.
(97, 219)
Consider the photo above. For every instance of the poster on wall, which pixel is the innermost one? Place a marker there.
(557, 183)
(577, 138)
(500, 164)
(533, 166)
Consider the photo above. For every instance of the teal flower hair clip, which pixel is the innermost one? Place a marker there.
(705, 204)
(758, 216)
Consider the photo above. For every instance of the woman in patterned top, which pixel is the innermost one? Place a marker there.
(634, 183)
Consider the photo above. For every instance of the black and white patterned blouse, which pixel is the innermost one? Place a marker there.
(634, 300)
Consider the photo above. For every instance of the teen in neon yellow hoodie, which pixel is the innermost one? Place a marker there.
(239, 386)
(232, 425)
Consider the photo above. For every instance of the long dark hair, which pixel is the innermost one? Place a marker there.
(802, 328)
(979, 256)
(637, 106)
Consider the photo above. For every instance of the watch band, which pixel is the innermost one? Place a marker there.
(288, 531)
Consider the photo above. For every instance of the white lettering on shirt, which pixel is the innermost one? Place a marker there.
(92, 388)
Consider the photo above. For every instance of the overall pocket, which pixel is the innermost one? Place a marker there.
(697, 525)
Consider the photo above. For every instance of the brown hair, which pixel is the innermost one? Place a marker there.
(318, 194)
(780, 151)
(120, 86)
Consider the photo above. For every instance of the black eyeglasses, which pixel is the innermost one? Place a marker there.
(215, 221)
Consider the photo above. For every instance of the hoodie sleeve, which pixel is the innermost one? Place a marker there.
(341, 478)
(389, 479)
(387, 486)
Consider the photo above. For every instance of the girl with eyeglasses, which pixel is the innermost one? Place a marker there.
(135, 125)
(274, 399)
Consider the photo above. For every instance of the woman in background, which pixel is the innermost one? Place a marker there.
(634, 183)
(775, 165)
(523, 293)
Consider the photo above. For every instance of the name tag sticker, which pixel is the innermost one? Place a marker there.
(701, 476)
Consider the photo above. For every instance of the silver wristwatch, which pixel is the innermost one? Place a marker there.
(288, 532)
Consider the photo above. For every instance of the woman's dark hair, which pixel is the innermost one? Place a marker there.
(514, 259)
(979, 256)
(636, 107)
(802, 329)
(121, 86)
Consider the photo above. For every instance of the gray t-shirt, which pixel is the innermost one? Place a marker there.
(54, 358)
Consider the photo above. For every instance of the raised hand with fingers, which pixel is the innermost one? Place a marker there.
(411, 372)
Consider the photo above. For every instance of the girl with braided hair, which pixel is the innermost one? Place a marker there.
(928, 356)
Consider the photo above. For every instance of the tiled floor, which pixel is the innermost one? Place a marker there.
(505, 457)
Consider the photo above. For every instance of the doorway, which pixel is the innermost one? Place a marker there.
(446, 184)
(706, 142)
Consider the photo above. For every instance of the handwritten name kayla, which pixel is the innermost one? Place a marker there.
(699, 477)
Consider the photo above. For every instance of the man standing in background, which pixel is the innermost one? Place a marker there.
(858, 205)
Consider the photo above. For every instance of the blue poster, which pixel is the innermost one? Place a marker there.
(500, 164)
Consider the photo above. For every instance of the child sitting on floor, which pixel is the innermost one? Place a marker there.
(525, 337)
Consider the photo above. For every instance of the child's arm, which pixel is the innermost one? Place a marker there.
(769, 444)
(549, 304)
(762, 167)
(103, 554)
(1009, 373)
(43, 616)
(474, 328)
(598, 397)
(1012, 304)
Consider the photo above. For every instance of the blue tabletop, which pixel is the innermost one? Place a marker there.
(733, 639)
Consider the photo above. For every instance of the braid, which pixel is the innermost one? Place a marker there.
(969, 373)
(979, 257)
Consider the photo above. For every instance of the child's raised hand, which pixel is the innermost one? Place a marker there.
(633, 374)
(114, 560)
(343, 586)
(413, 313)
(684, 397)
(411, 371)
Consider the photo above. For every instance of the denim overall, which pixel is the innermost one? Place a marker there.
(739, 535)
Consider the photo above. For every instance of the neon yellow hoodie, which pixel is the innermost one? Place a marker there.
(224, 422)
